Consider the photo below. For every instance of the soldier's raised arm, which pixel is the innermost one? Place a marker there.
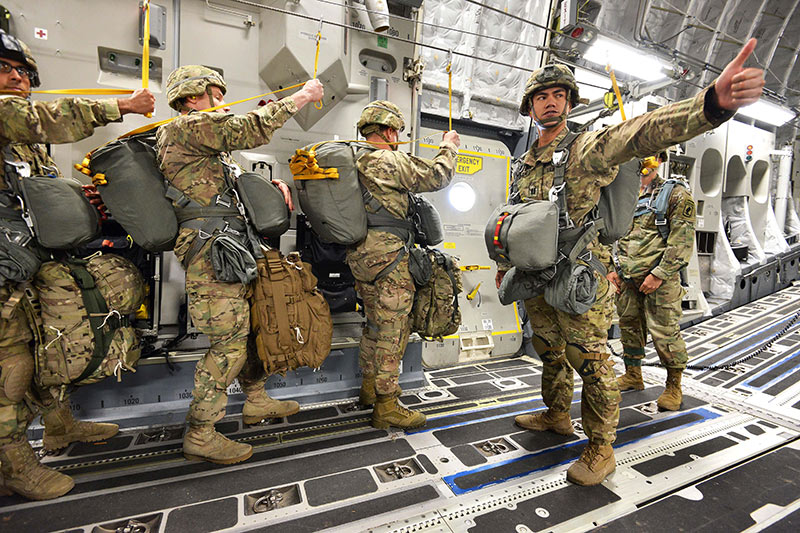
(223, 132)
(426, 175)
(652, 132)
(67, 119)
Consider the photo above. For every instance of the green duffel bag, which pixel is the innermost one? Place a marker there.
(524, 234)
(133, 189)
(263, 202)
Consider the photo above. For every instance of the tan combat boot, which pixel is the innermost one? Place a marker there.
(366, 395)
(671, 398)
(595, 463)
(61, 429)
(24, 474)
(204, 443)
(388, 412)
(259, 406)
(556, 421)
(631, 379)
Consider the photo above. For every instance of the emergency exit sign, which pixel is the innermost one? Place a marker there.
(468, 164)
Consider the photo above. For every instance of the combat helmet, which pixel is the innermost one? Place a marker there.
(191, 80)
(13, 48)
(552, 75)
(380, 113)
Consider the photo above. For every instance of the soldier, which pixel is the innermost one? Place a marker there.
(380, 262)
(566, 341)
(194, 154)
(649, 286)
(23, 125)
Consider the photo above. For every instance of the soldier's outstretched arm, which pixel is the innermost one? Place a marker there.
(418, 174)
(64, 120)
(655, 131)
(224, 133)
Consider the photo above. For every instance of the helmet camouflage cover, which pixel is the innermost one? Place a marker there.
(380, 113)
(191, 80)
(552, 75)
(13, 48)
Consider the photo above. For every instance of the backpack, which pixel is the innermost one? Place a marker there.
(290, 321)
(84, 331)
(435, 312)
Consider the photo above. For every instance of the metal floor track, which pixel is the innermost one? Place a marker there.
(728, 461)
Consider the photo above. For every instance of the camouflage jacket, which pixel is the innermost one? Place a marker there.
(389, 176)
(643, 251)
(24, 125)
(191, 150)
(595, 156)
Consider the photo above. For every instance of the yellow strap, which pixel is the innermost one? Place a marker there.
(317, 105)
(450, 88)
(616, 90)
(469, 268)
(75, 91)
(304, 166)
(146, 49)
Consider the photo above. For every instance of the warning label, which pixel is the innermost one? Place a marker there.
(468, 164)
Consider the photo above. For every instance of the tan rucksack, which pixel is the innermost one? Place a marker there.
(85, 332)
(290, 320)
(435, 312)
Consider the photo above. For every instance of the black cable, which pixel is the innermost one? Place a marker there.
(727, 366)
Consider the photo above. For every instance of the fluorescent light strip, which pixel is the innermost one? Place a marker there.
(624, 58)
(768, 112)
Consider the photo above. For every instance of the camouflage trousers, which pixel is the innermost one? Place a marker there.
(221, 311)
(658, 313)
(15, 339)
(387, 304)
(566, 342)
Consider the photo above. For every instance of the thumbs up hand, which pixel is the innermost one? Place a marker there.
(738, 86)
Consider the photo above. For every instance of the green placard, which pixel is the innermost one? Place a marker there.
(383, 41)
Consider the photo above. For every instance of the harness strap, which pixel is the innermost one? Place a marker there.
(97, 310)
(277, 277)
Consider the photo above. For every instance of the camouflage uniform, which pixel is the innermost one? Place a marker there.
(21, 121)
(644, 251)
(592, 164)
(191, 150)
(389, 175)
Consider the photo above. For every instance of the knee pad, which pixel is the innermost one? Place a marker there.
(16, 375)
(550, 355)
(588, 364)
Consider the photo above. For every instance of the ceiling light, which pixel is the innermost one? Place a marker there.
(624, 58)
(768, 112)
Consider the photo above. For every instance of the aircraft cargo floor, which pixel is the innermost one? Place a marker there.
(729, 460)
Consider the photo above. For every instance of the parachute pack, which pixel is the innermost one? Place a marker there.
(290, 321)
(535, 235)
(84, 331)
(659, 206)
(136, 193)
(39, 212)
